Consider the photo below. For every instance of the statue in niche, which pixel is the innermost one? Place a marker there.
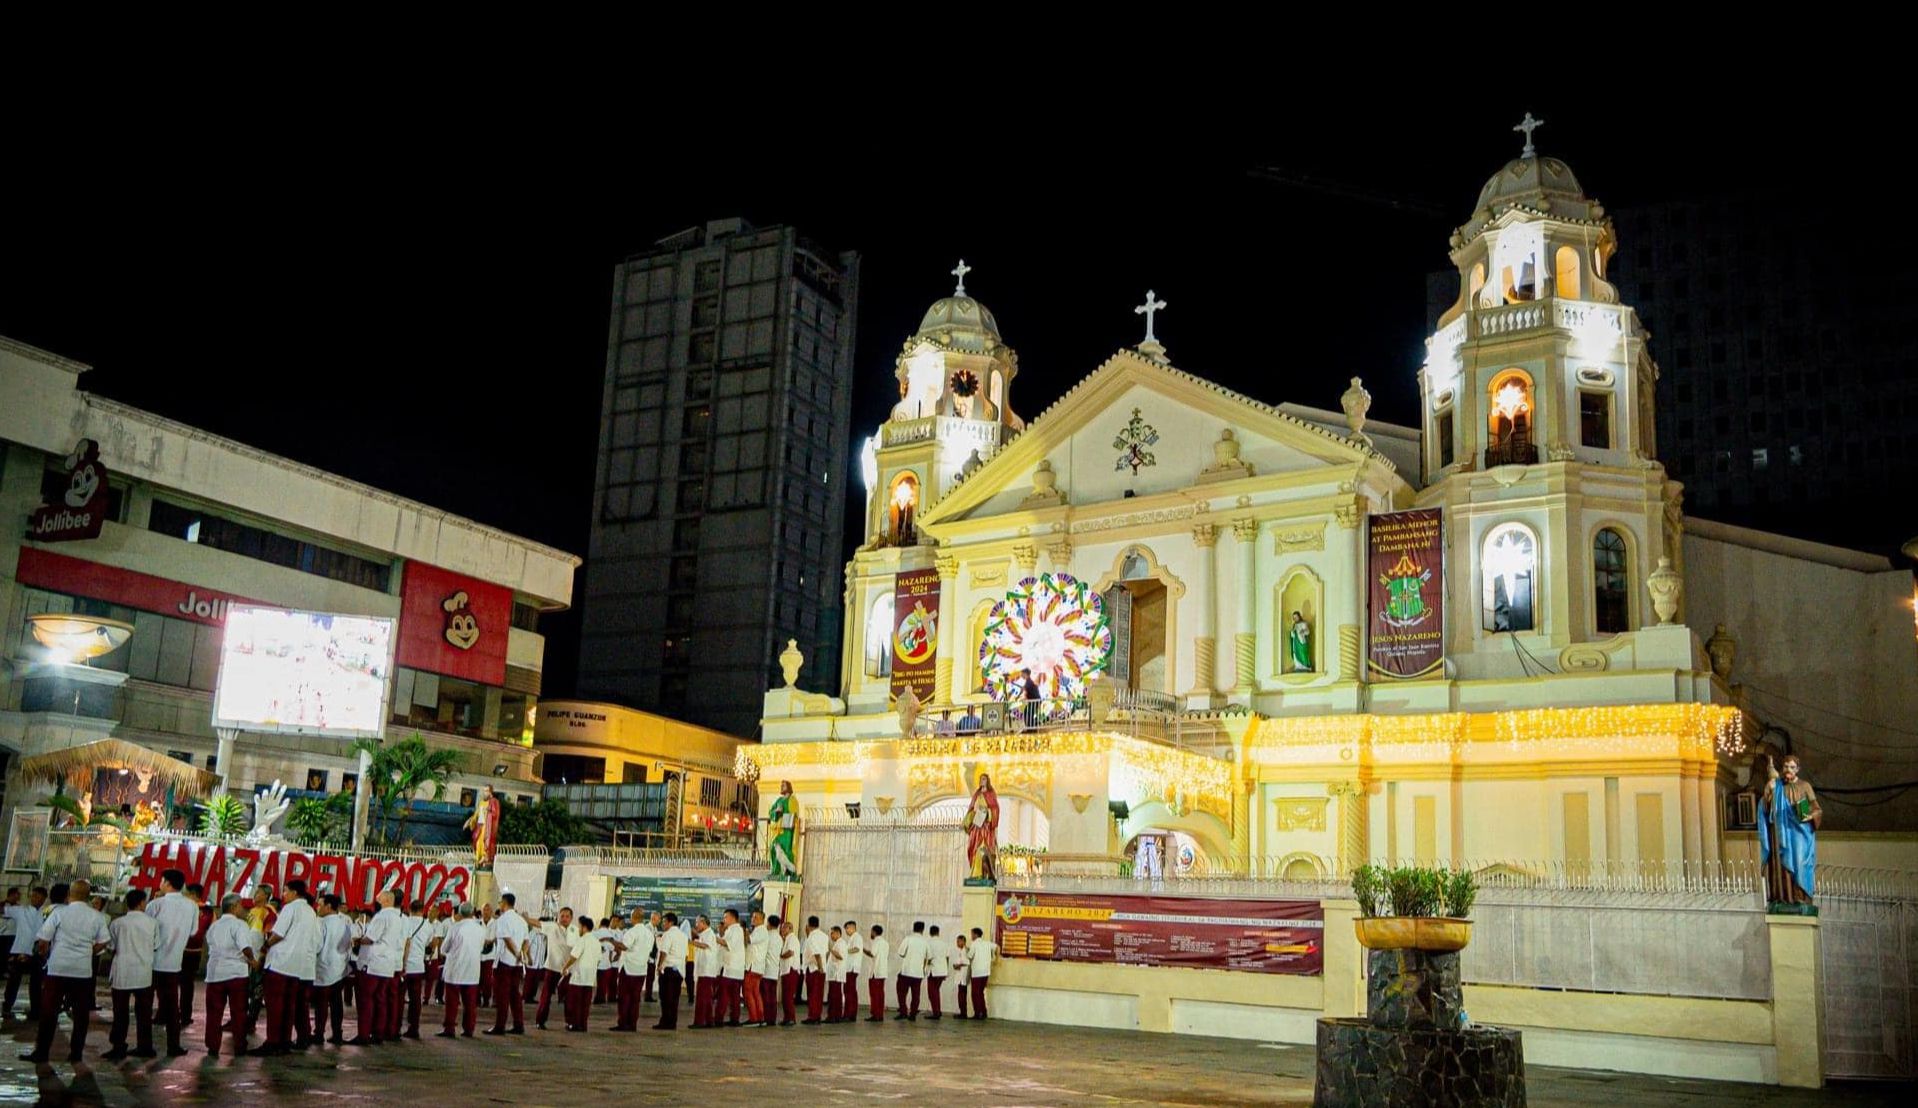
(1788, 819)
(1299, 641)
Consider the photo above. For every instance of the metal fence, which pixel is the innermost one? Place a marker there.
(1868, 944)
(884, 870)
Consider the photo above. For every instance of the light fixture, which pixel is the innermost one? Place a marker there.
(77, 638)
(852, 809)
(499, 769)
(1120, 810)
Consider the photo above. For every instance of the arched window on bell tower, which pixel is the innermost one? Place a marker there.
(1508, 563)
(1510, 415)
(1611, 583)
(1565, 272)
(902, 510)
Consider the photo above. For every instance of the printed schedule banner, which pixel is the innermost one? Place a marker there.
(687, 897)
(1405, 577)
(915, 634)
(1258, 936)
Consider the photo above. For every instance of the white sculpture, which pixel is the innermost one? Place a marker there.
(268, 806)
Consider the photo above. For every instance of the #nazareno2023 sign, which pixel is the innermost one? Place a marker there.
(1256, 936)
(1405, 579)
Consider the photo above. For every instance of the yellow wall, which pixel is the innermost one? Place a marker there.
(623, 735)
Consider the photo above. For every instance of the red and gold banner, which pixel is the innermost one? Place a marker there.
(223, 868)
(1405, 578)
(1258, 936)
(915, 632)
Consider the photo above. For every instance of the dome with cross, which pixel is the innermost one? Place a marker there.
(959, 322)
(1529, 179)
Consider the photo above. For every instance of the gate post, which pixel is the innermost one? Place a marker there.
(1797, 991)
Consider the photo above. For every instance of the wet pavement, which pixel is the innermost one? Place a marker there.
(944, 1063)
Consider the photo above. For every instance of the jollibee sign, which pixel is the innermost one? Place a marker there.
(222, 868)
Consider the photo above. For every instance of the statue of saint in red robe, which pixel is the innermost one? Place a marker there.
(982, 833)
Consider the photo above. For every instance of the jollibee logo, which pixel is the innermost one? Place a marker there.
(462, 627)
(84, 479)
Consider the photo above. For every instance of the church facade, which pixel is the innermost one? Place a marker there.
(1156, 613)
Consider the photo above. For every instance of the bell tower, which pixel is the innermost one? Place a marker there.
(1537, 411)
(955, 379)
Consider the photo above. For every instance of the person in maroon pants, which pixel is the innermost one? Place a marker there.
(70, 939)
(509, 959)
(582, 970)
(814, 954)
(460, 974)
(855, 958)
(982, 952)
(194, 955)
(769, 974)
(559, 946)
(229, 960)
(378, 985)
(880, 949)
(788, 975)
(705, 944)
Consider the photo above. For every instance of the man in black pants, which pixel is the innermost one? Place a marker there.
(672, 967)
(21, 960)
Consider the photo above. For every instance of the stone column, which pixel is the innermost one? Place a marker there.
(1245, 639)
(1798, 1028)
(948, 567)
(1344, 960)
(1205, 643)
(1242, 815)
(1350, 796)
(1709, 814)
(1688, 815)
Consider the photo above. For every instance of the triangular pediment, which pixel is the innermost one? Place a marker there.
(1100, 450)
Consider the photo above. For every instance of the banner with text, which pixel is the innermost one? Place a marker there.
(1258, 936)
(1405, 578)
(915, 632)
(687, 897)
(235, 868)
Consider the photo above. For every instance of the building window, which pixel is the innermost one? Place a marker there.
(316, 780)
(198, 527)
(1595, 420)
(573, 769)
(1509, 565)
(633, 773)
(1565, 272)
(879, 636)
(1611, 592)
(1447, 453)
(902, 508)
(709, 788)
(1761, 458)
(525, 617)
(1510, 418)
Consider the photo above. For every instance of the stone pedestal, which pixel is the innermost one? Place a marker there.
(1411, 1048)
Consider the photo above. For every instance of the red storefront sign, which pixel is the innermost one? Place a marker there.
(1257, 936)
(454, 625)
(57, 572)
(81, 510)
(224, 868)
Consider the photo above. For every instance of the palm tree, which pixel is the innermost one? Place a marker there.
(400, 770)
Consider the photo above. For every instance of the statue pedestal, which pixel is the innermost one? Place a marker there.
(779, 898)
(1411, 1048)
(485, 887)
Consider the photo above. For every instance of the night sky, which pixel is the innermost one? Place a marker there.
(420, 301)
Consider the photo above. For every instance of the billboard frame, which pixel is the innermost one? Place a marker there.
(347, 733)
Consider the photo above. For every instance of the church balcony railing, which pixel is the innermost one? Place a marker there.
(1583, 316)
(1511, 454)
(901, 432)
(1009, 717)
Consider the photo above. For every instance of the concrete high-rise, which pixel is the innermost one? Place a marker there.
(720, 490)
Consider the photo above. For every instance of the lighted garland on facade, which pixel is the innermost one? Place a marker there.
(1053, 625)
(1612, 729)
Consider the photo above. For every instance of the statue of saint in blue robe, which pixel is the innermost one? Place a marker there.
(1788, 818)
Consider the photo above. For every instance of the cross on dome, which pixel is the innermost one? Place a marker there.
(960, 272)
(1148, 309)
(1528, 125)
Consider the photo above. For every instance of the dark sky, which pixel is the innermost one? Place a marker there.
(418, 299)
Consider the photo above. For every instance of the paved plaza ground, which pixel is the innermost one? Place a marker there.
(944, 1063)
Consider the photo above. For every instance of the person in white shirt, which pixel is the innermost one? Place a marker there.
(487, 960)
(732, 967)
(69, 939)
(835, 974)
(509, 954)
(706, 955)
(813, 961)
(379, 1008)
(465, 943)
(980, 953)
(791, 970)
(855, 961)
(672, 966)
(229, 959)
(178, 920)
(769, 960)
(938, 968)
(756, 941)
(292, 956)
(559, 947)
(604, 987)
(961, 972)
(582, 967)
(21, 960)
(879, 966)
(912, 970)
(329, 969)
(416, 936)
(535, 958)
(136, 941)
(635, 947)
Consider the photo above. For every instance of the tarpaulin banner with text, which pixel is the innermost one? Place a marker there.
(1258, 936)
(237, 868)
(1405, 578)
(687, 897)
(915, 632)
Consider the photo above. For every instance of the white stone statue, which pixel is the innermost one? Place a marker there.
(268, 806)
(907, 703)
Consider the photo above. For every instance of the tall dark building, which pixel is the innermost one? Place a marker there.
(722, 470)
(1788, 396)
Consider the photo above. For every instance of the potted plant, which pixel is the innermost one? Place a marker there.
(1414, 907)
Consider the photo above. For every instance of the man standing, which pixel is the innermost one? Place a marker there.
(292, 957)
(535, 968)
(583, 966)
(605, 987)
(652, 964)
(177, 918)
(980, 951)
(835, 975)
(961, 972)
(879, 952)
(69, 939)
(436, 930)
(769, 960)
(487, 960)
(559, 947)
(262, 915)
(789, 973)
(672, 963)
(705, 944)
(417, 932)
(818, 949)
(756, 941)
(461, 973)
(329, 969)
(136, 939)
(509, 948)
(21, 959)
(855, 959)
(938, 967)
(912, 969)
(384, 942)
(635, 946)
(229, 961)
(732, 969)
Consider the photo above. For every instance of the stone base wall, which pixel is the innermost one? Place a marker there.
(1363, 1066)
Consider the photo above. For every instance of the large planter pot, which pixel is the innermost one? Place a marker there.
(1439, 935)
